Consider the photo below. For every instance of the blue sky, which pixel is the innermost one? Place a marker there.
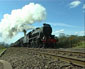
(65, 16)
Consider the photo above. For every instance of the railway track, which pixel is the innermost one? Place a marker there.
(4, 50)
(69, 53)
(72, 58)
(76, 54)
(72, 53)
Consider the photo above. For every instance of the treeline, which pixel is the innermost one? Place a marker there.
(3, 45)
(69, 41)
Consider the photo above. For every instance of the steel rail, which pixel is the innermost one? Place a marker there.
(55, 53)
(72, 52)
(3, 52)
(63, 52)
(72, 60)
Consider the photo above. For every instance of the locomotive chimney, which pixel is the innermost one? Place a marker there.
(24, 32)
(26, 38)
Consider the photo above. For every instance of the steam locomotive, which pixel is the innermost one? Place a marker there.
(40, 37)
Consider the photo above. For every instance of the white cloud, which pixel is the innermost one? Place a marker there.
(80, 33)
(74, 4)
(62, 24)
(57, 32)
(83, 6)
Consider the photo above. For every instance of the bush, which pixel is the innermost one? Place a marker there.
(66, 41)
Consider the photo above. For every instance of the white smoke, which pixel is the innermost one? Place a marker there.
(20, 19)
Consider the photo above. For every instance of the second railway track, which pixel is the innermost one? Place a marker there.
(75, 61)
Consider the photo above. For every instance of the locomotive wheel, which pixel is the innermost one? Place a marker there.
(35, 43)
(32, 44)
(38, 43)
(43, 46)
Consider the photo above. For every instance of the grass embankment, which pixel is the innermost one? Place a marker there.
(2, 48)
(80, 45)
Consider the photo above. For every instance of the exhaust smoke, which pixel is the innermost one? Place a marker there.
(20, 19)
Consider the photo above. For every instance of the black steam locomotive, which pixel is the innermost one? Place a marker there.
(37, 38)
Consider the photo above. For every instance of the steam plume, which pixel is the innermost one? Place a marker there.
(20, 19)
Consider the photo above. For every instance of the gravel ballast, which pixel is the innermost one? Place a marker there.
(25, 58)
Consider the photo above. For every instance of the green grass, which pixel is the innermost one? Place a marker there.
(80, 45)
(2, 48)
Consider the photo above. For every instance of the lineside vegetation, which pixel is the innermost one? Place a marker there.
(2, 48)
(70, 41)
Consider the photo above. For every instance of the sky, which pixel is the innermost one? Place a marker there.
(65, 16)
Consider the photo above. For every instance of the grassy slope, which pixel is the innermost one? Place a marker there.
(2, 48)
(80, 45)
